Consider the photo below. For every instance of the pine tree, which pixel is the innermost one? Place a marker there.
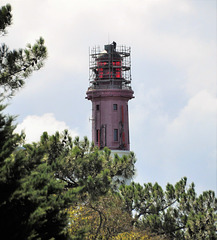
(176, 213)
(32, 201)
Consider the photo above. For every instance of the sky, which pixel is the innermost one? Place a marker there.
(173, 53)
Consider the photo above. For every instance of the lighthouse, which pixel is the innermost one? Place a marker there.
(109, 91)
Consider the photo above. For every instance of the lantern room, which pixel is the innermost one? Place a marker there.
(110, 68)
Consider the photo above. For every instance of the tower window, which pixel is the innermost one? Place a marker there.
(115, 135)
(97, 135)
(97, 107)
(115, 107)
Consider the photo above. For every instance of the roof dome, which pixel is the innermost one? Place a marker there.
(109, 53)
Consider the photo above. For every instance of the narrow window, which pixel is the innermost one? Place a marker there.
(115, 135)
(115, 107)
(97, 107)
(97, 135)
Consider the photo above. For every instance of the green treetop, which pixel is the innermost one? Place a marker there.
(176, 213)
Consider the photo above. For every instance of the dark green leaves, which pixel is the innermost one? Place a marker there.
(5, 18)
(80, 164)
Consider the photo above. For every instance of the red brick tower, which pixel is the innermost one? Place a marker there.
(110, 91)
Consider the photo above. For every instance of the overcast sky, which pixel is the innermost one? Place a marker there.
(173, 43)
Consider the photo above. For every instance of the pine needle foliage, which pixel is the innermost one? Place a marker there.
(17, 65)
(176, 213)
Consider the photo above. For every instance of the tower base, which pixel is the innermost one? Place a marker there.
(121, 153)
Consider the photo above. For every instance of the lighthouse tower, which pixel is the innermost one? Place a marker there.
(109, 91)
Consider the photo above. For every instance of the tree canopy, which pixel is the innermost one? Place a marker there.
(176, 212)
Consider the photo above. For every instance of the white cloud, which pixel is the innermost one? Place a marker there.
(184, 145)
(34, 126)
(198, 117)
(158, 29)
(189, 143)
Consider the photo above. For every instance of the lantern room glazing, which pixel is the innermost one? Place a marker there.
(110, 68)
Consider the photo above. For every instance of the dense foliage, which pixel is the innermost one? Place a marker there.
(176, 213)
(59, 188)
